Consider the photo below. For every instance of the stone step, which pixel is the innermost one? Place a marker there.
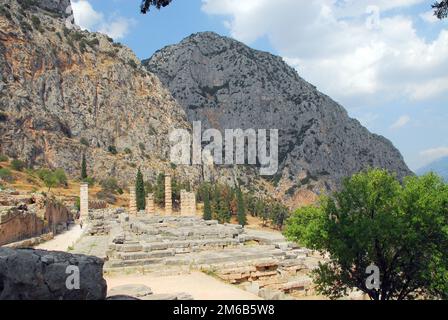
(226, 242)
(131, 263)
(145, 255)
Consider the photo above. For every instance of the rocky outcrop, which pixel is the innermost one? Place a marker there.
(227, 85)
(65, 92)
(27, 274)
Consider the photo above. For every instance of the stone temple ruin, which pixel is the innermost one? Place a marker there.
(157, 241)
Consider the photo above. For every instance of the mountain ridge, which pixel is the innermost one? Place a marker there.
(227, 85)
(439, 166)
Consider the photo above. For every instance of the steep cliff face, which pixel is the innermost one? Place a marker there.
(227, 85)
(65, 92)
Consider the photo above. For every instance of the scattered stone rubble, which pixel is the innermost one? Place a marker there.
(142, 292)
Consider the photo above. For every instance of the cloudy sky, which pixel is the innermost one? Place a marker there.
(386, 61)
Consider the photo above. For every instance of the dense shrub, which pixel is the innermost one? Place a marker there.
(6, 175)
(18, 165)
(112, 150)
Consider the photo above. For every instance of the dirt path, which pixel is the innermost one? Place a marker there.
(197, 284)
(63, 241)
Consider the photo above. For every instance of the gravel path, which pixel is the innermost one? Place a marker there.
(197, 284)
(63, 241)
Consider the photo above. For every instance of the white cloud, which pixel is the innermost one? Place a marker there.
(434, 154)
(429, 17)
(87, 18)
(401, 122)
(332, 46)
(118, 28)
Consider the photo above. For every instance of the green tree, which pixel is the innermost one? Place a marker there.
(110, 185)
(49, 179)
(18, 165)
(6, 175)
(146, 4)
(83, 167)
(222, 198)
(400, 228)
(241, 210)
(251, 203)
(441, 9)
(140, 191)
(278, 214)
(207, 206)
(61, 177)
(261, 211)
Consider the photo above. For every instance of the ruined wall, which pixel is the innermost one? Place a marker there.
(20, 222)
(16, 225)
(56, 214)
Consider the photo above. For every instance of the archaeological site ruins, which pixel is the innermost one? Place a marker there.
(164, 242)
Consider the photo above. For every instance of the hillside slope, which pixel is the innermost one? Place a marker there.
(439, 166)
(65, 92)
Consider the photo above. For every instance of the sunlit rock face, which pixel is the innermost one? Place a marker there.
(65, 92)
(227, 85)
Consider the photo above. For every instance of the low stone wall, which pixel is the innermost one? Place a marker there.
(16, 225)
(31, 242)
(28, 217)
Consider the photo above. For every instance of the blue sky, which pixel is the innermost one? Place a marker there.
(385, 61)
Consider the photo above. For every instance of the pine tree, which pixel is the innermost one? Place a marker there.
(207, 207)
(140, 191)
(242, 219)
(84, 167)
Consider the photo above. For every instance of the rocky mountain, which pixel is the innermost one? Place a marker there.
(439, 167)
(227, 85)
(65, 92)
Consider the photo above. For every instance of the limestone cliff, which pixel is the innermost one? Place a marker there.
(65, 92)
(227, 85)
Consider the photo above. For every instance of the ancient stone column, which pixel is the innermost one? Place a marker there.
(192, 204)
(132, 201)
(168, 196)
(183, 203)
(150, 207)
(187, 203)
(84, 200)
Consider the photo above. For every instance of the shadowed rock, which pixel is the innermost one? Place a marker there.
(28, 274)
